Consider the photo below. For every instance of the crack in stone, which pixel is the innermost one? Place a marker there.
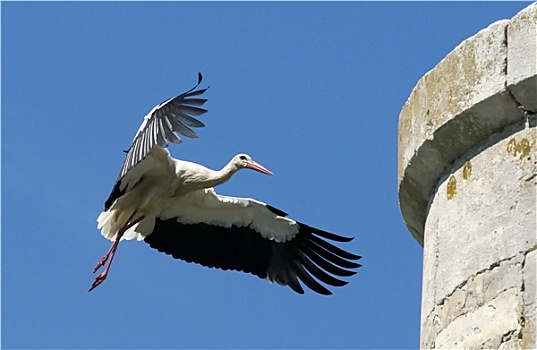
(530, 178)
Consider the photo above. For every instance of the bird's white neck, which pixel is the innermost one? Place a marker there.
(217, 177)
(201, 177)
(192, 176)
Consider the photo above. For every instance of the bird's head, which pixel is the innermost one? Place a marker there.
(243, 161)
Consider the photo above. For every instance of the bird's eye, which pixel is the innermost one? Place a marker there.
(242, 157)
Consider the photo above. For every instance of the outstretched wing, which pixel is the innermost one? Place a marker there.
(160, 126)
(249, 236)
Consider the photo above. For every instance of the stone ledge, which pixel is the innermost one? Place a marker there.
(455, 107)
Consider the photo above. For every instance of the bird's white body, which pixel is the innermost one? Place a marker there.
(164, 187)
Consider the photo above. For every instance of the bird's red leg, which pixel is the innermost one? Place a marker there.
(120, 233)
(104, 258)
(110, 254)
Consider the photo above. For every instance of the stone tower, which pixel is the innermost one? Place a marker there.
(467, 188)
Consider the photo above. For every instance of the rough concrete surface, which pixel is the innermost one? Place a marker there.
(468, 188)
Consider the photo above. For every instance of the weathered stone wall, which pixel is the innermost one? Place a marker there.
(480, 250)
(467, 188)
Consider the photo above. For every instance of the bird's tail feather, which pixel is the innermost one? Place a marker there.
(110, 222)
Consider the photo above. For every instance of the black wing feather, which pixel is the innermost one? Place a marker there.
(330, 256)
(309, 281)
(243, 249)
(329, 267)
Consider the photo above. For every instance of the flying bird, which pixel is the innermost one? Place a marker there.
(172, 206)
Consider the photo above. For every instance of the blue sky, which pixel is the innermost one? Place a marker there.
(312, 91)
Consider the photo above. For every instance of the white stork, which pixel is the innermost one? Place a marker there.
(171, 205)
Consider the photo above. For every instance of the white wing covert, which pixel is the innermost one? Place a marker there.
(207, 207)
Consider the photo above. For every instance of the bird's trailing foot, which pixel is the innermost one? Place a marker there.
(98, 280)
(101, 262)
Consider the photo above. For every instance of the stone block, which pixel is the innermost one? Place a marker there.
(454, 305)
(475, 296)
(505, 276)
(474, 329)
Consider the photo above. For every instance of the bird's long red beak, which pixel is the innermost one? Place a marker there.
(258, 167)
